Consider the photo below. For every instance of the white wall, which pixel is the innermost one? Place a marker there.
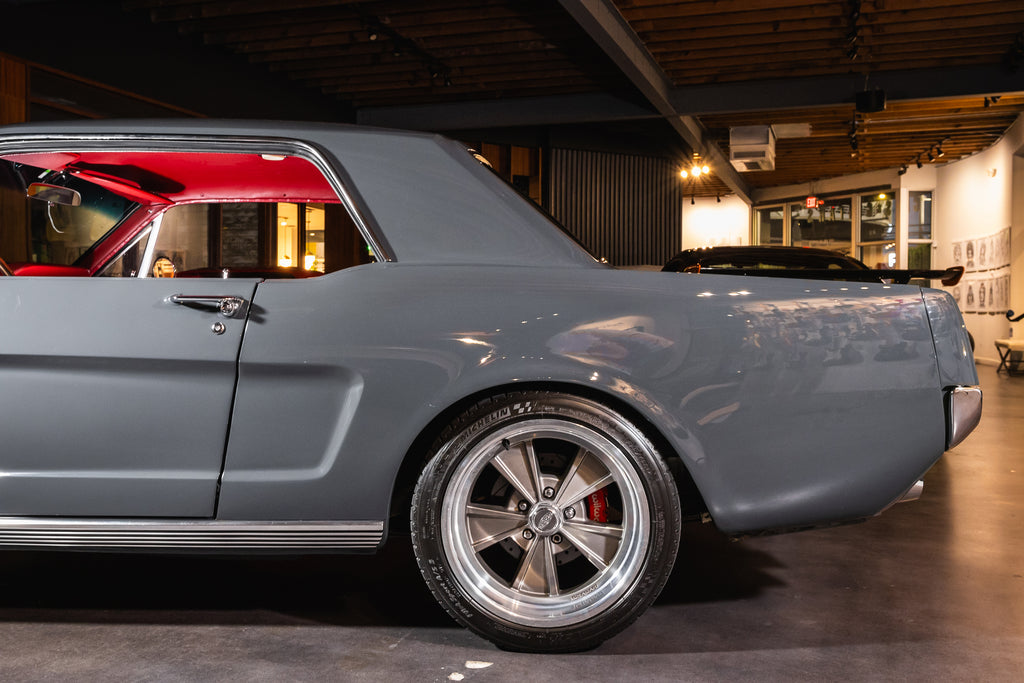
(1017, 241)
(974, 198)
(708, 223)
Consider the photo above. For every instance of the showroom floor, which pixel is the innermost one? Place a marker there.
(932, 590)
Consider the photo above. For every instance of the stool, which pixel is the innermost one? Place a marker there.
(1007, 347)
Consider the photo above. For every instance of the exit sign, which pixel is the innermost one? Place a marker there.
(812, 203)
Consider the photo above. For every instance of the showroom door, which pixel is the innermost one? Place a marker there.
(117, 393)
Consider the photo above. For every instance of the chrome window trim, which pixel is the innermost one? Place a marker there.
(115, 534)
(336, 177)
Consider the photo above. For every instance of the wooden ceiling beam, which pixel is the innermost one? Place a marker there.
(536, 111)
(317, 55)
(369, 67)
(402, 71)
(224, 8)
(613, 35)
(441, 95)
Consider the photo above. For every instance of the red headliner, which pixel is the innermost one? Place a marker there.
(191, 176)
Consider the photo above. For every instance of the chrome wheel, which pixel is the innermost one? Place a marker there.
(521, 531)
(545, 522)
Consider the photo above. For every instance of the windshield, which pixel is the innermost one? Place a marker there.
(57, 234)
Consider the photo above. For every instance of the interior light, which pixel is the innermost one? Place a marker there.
(684, 174)
(285, 261)
(695, 171)
(273, 157)
(310, 261)
(881, 196)
(704, 169)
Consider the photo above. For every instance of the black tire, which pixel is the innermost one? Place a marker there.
(545, 522)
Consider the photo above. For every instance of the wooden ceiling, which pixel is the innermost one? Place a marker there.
(952, 70)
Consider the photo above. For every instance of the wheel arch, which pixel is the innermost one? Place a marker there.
(691, 499)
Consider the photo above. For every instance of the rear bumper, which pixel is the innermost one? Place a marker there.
(963, 413)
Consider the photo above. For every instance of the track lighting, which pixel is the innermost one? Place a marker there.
(919, 164)
(399, 46)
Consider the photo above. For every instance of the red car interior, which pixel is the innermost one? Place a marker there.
(173, 177)
(157, 180)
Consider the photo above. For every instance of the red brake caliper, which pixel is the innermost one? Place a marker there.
(597, 505)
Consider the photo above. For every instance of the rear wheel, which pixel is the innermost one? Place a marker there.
(545, 522)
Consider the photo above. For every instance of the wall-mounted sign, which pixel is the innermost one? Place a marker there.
(812, 203)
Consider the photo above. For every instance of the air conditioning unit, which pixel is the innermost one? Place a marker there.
(752, 148)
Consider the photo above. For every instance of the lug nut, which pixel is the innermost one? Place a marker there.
(549, 492)
(527, 534)
(523, 506)
(569, 513)
(556, 539)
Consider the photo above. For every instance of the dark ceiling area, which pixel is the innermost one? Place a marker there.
(937, 80)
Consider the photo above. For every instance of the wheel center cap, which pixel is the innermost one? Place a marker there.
(545, 519)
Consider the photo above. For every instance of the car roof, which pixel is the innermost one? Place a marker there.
(423, 196)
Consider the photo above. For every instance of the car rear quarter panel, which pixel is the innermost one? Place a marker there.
(791, 403)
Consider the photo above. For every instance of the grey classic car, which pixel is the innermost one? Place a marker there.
(242, 337)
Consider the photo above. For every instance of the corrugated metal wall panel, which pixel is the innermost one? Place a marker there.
(625, 208)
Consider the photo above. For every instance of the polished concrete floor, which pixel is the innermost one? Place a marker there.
(932, 590)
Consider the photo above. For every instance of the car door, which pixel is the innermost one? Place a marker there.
(115, 394)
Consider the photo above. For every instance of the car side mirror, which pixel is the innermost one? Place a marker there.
(54, 194)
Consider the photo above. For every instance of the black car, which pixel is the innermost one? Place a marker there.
(798, 262)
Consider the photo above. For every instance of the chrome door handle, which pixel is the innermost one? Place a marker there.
(227, 306)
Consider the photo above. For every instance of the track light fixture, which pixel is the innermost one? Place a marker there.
(932, 153)
(853, 35)
(378, 31)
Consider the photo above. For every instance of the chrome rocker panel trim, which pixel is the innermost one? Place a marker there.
(212, 535)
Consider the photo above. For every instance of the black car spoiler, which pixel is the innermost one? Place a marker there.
(949, 276)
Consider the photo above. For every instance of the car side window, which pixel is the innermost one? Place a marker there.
(153, 214)
(201, 240)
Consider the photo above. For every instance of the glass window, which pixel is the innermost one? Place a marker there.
(876, 217)
(879, 256)
(919, 256)
(182, 242)
(287, 254)
(827, 226)
(315, 231)
(240, 234)
(919, 219)
(770, 229)
(877, 245)
(58, 233)
(131, 259)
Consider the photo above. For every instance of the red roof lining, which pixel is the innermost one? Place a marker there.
(193, 176)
